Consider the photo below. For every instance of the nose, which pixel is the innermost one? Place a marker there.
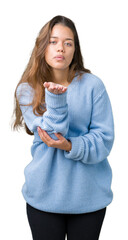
(60, 48)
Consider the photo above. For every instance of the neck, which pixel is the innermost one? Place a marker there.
(60, 76)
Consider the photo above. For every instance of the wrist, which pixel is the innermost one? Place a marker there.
(70, 146)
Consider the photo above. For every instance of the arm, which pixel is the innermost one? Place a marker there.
(96, 145)
(55, 119)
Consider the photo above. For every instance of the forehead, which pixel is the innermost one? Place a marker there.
(61, 31)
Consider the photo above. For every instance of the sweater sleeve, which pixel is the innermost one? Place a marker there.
(54, 120)
(95, 146)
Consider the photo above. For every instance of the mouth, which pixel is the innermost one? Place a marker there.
(59, 57)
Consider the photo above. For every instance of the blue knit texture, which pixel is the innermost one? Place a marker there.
(79, 181)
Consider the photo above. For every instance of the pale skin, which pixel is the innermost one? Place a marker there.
(58, 55)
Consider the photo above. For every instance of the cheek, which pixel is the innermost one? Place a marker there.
(70, 57)
(48, 55)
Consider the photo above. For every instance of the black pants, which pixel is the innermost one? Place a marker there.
(55, 226)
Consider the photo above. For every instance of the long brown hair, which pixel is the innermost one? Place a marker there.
(38, 71)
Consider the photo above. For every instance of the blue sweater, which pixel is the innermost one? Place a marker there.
(78, 181)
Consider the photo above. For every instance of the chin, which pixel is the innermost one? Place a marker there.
(59, 67)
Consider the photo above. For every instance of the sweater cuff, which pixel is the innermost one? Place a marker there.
(55, 100)
(77, 151)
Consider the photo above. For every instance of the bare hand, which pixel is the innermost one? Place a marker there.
(55, 88)
(62, 143)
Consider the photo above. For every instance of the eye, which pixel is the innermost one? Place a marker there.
(68, 44)
(52, 42)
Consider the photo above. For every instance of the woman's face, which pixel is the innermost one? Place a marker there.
(60, 50)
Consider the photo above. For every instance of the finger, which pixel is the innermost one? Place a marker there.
(59, 135)
(40, 133)
(60, 89)
(48, 139)
(64, 90)
(45, 134)
(46, 84)
(40, 130)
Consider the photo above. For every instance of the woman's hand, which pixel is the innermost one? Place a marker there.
(55, 88)
(62, 143)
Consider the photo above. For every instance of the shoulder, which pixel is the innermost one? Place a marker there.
(92, 84)
(92, 80)
(24, 88)
(24, 93)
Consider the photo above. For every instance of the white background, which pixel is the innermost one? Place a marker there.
(102, 30)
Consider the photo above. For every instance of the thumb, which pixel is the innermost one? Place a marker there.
(46, 84)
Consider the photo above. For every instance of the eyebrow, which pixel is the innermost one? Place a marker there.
(65, 38)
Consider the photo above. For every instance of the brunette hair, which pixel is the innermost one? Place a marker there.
(38, 71)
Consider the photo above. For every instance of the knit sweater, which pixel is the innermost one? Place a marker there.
(78, 181)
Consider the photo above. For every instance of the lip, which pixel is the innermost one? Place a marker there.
(60, 57)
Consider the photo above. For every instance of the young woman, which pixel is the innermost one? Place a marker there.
(68, 182)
